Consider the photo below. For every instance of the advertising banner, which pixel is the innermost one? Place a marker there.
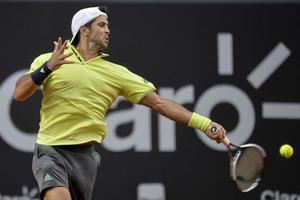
(235, 63)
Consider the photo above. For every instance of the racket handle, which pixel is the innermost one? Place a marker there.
(226, 141)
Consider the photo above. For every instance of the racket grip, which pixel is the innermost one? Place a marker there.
(226, 141)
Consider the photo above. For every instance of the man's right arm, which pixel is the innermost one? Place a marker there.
(24, 88)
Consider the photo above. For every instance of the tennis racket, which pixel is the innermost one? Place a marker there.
(247, 163)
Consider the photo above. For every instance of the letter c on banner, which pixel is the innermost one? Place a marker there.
(9, 132)
(267, 194)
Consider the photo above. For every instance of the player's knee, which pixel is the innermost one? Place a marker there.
(56, 193)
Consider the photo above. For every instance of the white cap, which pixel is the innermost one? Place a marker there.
(82, 17)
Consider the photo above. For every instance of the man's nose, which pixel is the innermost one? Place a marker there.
(107, 31)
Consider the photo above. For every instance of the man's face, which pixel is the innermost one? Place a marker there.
(99, 32)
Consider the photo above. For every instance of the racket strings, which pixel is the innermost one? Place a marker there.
(248, 167)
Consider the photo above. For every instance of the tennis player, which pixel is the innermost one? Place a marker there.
(79, 86)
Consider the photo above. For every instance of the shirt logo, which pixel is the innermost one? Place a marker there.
(47, 178)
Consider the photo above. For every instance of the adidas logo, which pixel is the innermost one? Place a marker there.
(43, 70)
(47, 178)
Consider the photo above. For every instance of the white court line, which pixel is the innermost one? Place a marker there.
(272, 110)
(268, 65)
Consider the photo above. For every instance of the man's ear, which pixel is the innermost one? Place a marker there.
(84, 31)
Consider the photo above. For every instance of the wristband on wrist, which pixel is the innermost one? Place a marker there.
(199, 122)
(40, 74)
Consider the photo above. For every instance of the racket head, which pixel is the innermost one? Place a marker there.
(247, 166)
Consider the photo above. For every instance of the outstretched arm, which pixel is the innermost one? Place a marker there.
(179, 114)
(27, 84)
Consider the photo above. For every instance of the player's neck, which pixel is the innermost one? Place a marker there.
(88, 51)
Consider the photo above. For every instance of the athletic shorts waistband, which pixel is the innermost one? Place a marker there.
(89, 147)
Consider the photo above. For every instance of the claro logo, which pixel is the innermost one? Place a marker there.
(140, 138)
(278, 195)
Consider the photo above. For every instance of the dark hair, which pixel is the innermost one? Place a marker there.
(77, 37)
(103, 9)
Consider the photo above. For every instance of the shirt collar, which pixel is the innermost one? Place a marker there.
(80, 58)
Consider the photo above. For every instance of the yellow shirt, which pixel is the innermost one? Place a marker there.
(77, 96)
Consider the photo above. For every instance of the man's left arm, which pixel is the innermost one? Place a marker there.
(179, 114)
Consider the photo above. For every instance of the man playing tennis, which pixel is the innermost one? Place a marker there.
(79, 86)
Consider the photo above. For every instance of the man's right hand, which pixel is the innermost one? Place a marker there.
(58, 57)
(215, 132)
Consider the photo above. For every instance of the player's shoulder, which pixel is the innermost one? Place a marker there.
(43, 57)
(115, 66)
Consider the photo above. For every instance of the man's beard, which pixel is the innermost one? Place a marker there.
(100, 46)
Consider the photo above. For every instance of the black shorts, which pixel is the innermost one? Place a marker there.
(71, 167)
